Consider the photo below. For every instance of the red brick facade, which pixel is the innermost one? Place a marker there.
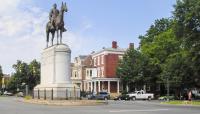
(111, 61)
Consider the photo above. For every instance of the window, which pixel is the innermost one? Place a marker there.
(75, 73)
(98, 72)
(98, 60)
(94, 61)
(120, 57)
(102, 71)
(102, 59)
(90, 73)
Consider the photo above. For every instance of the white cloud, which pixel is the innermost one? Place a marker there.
(22, 33)
(9, 5)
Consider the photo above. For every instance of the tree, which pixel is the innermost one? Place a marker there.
(28, 74)
(187, 29)
(131, 69)
(159, 26)
(34, 74)
(1, 72)
(1, 75)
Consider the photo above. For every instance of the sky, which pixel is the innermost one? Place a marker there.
(91, 25)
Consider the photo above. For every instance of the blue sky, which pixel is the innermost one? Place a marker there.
(91, 24)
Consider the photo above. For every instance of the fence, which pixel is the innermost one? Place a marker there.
(56, 93)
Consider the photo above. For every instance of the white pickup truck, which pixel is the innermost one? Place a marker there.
(141, 95)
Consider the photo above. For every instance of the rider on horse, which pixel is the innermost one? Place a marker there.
(53, 15)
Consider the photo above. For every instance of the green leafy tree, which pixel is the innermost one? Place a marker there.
(28, 74)
(1, 71)
(187, 29)
(34, 74)
(163, 43)
(131, 69)
(1, 75)
(159, 26)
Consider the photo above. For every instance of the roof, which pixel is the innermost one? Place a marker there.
(110, 49)
(82, 56)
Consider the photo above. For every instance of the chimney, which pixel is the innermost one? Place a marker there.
(114, 44)
(131, 45)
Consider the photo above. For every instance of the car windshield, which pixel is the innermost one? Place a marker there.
(103, 93)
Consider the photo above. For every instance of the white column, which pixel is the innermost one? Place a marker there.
(99, 84)
(95, 87)
(91, 86)
(108, 86)
(118, 87)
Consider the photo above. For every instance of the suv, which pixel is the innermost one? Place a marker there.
(103, 96)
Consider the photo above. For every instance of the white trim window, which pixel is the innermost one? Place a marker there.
(102, 59)
(120, 57)
(87, 73)
(98, 60)
(90, 73)
(102, 71)
(94, 61)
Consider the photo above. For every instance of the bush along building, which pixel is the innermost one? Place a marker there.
(97, 72)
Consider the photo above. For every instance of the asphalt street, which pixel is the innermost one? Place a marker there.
(10, 105)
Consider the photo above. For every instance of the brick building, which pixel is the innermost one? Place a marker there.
(99, 70)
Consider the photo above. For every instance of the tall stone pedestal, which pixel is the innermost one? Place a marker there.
(55, 74)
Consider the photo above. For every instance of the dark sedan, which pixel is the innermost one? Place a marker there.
(122, 97)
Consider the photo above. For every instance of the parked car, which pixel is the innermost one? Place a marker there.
(90, 95)
(164, 98)
(102, 96)
(20, 94)
(141, 95)
(7, 93)
(122, 97)
(196, 94)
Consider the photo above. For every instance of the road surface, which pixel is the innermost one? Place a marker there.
(10, 105)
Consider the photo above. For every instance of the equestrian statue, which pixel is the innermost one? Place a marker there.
(56, 23)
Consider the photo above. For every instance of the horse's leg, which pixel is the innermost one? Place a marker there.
(60, 36)
(57, 35)
(53, 34)
(47, 33)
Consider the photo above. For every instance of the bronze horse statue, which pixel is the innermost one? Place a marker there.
(58, 26)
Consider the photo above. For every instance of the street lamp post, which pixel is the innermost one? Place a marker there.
(167, 89)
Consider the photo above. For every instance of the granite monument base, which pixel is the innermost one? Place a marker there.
(55, 74)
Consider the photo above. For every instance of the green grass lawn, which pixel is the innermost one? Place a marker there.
(176, 102)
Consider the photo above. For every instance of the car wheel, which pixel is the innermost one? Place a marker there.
(133, 98)
(105, 98)
(149, 98)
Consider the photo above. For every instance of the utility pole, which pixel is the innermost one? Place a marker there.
(167, 89)
(26, 88)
